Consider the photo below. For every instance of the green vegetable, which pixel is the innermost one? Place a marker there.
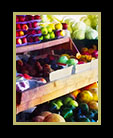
(79, 34)
(79, 26)
(91, 34)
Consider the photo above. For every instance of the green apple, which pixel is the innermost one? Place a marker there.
(44, 30)
(49, 29)
(47, 36)
(59, 103)
(67, 100)
(63, 59)
(52, 35)
(72, 61)
(41, 37)
(72, 103)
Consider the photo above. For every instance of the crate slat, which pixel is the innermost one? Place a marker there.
(43, 45)
(56, 89)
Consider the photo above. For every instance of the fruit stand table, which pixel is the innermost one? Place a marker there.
(85, 75)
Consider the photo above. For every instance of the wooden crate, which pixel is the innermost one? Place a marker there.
(43, 45)
(56, 89)
(85, 75)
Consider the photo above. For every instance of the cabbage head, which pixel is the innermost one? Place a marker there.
(91, 34)
(79, 26)
(79, 34)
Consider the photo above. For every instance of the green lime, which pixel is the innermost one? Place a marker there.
(73, 104)
(67, 100)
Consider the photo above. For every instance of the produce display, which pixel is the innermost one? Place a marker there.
(87, 54)
(78, 106)
(84, 28)
(30, 30)
(42, 67)
(34, 68)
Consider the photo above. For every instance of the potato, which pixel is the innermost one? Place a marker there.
(54, 118)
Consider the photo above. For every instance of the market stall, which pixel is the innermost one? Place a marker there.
(56, 68)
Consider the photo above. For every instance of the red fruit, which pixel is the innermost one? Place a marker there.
(33, 32)
(24, 40)
(17, 33)
(81, 62)
(24, 27)
(51, 57)
(30, 39)
(57, 33)
(18, 26)
(35, 24)
(29, 25)
(26, 76)
(95, 54)
(37, 17)
(36, 39)
(17, 19)
(18, 41)
(65, 26)
(30, 17)
(21, 18)
(38, 31)
(86, 53)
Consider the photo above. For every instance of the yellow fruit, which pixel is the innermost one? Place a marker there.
(66, 55)
(94, 92)
(84, 49)
(88, 57)
(62, 33)
(54, 118)
(75, 93)
(52, 26)
(58, 26)
(85, 96)
(94, 85)
(78, 55)
(93, 105)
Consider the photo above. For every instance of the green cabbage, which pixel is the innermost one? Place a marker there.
(79, 34)
(91, 34)
(79, 26)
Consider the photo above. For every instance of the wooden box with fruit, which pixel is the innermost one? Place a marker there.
(44, 63)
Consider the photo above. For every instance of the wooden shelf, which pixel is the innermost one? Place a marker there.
(57, 88)
(43, 45)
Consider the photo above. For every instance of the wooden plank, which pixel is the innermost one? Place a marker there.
(43, 45)
(87, 66)
(57, 89)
